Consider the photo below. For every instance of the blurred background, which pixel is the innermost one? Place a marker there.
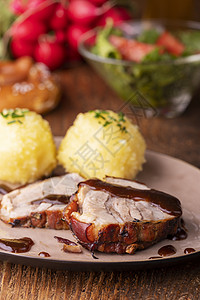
(57, 25)
(169, 9)
(49, 32)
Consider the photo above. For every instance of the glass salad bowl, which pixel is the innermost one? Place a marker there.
(159, 84)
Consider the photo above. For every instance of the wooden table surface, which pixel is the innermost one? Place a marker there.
(179, 137)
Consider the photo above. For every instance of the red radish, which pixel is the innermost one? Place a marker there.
(41, 9)
(74, 34)
(131, 49)
(28, 30)
(117, 14)
(98, 2)
(60, 36)
(51, 53)
(84, 13)
(18, 7)
(22, 48)
(59, 19)
(170, 43)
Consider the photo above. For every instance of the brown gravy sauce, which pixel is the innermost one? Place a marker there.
(154, 257)
(167, 250)
(44, 254)
(189, 250)
(64, 241)
(167, 203)
(4, 189)
(94, 256)
(180, 235)
(182, 224)
(52, 199)
(16, 245)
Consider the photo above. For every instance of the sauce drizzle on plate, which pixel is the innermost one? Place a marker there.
(16, 245)
(44, 254)
(167, 250)
(189, 250)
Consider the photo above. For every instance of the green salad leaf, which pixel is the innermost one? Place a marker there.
(149, 36)
(155, 56)
(191, 40)
(103, 47)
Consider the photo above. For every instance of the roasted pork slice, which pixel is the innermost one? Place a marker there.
(40, 204)
(120, 215)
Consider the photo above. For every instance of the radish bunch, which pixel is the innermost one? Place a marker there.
(49, 30)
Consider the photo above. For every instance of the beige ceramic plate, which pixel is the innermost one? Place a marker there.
(161, 172)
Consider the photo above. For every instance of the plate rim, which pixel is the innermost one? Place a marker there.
(69, 265)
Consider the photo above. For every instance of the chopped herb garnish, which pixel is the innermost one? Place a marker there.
(110, 117)
(11, 122)
(121, 117)
(103, 114)
(99, 114)
(106, 123)
(4, 115)
(14, 114)
(122, 128)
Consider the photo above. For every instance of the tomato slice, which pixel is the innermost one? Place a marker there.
(131, 49)
(170, 43)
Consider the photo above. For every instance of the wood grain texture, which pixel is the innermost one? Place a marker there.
(177, 282)
(83, 90)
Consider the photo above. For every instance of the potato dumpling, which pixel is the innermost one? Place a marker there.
(101, 143)
(27, 149)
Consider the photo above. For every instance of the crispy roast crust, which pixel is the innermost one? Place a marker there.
(119, 238)
(45, 219)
